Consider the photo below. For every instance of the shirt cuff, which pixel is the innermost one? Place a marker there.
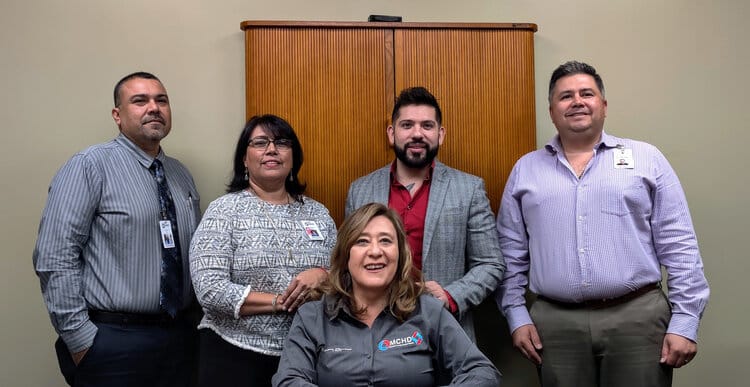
(238, 307)
(452, 306)
(684, 325)
(81, 338)
(517, 317)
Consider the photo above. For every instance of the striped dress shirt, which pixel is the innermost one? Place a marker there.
(99, 244)
(600, 236)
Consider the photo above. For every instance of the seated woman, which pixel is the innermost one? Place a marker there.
(256, 253)
(373, 326)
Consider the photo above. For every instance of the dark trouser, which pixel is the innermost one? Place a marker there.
(224, 364)
(612, 347)
(134, 356)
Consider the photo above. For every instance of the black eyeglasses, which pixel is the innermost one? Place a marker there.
(263, 142)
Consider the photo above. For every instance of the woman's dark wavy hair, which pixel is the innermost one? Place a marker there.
(276, 127)
(403, 291)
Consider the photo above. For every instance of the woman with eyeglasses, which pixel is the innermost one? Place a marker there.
(256, 254)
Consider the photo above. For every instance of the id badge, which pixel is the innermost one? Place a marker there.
(312, 230)
(167, 239)
(623, 158)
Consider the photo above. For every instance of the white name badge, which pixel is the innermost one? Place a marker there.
(623, 158)
(167, 239)
(312, 230)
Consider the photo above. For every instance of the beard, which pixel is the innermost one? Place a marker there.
(412, 161)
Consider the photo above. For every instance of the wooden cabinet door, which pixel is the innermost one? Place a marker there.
(336, 82)
(329, 83)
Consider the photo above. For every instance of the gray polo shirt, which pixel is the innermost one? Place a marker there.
(328, 346)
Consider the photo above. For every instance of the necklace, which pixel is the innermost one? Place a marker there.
(578, 170)
(290, 261)
(578, 161)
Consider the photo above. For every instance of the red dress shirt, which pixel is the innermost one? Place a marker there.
(413, 211)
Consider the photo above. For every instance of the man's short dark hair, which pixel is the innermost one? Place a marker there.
(137, 74)
(416, 96)
(571, 68)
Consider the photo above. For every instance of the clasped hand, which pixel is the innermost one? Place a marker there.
(297, 291)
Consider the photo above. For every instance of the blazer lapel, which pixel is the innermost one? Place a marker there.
(438, 190)
(382, 186)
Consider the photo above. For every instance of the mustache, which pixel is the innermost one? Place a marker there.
(577, 111)
(152, 118)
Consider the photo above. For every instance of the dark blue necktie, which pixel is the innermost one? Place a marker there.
(170, 297)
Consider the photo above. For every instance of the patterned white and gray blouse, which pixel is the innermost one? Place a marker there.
(245, 244)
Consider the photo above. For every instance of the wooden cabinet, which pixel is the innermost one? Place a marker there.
(336, 82)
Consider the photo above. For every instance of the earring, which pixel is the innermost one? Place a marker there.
(247, 176)
(291, 177)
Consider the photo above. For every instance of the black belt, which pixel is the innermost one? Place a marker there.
(604, 302)
(122, 318)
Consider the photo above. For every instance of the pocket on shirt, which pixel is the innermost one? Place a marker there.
(633, 199)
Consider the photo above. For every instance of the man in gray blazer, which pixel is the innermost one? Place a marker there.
(446, 212)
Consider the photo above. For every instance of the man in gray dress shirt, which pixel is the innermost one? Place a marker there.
(99, 251)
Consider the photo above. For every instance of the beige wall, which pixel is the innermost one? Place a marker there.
(675, 73)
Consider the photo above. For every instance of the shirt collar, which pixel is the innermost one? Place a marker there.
(335, 305)
(144, 158)
(555, 146)
(393, 172)
(610, 141)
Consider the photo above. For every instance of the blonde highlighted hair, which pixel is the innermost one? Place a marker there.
(405, 288)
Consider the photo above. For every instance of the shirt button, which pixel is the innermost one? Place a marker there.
(581, 250)
(369, 356)
(580, 217)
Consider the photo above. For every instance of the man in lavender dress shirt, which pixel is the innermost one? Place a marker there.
(588, 222)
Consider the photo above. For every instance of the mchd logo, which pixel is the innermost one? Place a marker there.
(415, 339)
